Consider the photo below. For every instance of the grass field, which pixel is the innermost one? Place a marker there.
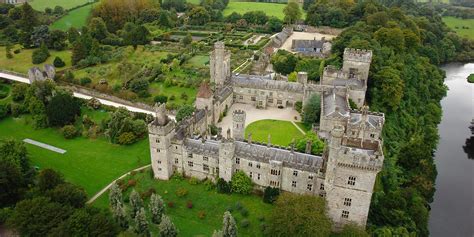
(40, 5)
(91, 164)
(282, 132)
(212, 203)
(457, 25)
(22, 62)
(196, 2)
(271, 9)
(199, 60)
(76, 18)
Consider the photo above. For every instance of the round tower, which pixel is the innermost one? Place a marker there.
(238, 124)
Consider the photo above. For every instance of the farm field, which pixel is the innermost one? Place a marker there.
(76, 18)
(457, 25)
(282, 132)
(89, 163)
(21, 62)
(271, 9)
(40, 5)
(211, 203)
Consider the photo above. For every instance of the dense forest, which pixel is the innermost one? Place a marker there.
(408, 42)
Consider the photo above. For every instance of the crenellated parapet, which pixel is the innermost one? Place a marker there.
(359, 55)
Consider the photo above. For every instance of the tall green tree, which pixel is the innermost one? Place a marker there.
(229, 228)
(141, 223)
(312, 110)
(292, 12)
(157, 208)
(167, 228)
(62, 109)
(136, 203)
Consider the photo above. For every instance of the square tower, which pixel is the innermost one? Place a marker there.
(219, 64)
(357, 63)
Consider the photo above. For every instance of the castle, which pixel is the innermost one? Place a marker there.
(344, 174)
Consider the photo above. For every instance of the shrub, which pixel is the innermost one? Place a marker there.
(244, 212)
(194, 181)
(84, 81)
(261, 218)
(245, 223)
(223, 186)
(238, 206)
(69, 131)
(126, 138)
(160, 99)
(181, 192)
(270, 194)
(170, 204)
(189, 204)
(58, 62)
(4, 214)
(16, 51)
(209, 185)
(241, 183)
(132, 183)
(40, 55)
(201, 214)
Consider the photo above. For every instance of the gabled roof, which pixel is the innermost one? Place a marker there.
(204, 91)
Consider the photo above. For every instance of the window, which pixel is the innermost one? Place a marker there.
(321, 187)
(176, 161)
(293, 184)
(234, 97)
(279, 102)
(176, 147)
(258, 165)
(309, 187)
(157, 140)
(250, 164)
(249, 91)
(253, 98)
(237, 160)
(190, 164)
(372, 135)
(250, 175)
(352, 180)
(353, 133)
(270, 101)
(275, 172)
(205, 167)
(217, 170)
(241, 97)
(310, 177)
(295, 173)
(159, 169)
(157, 150)
(236, 170)
(158, 161)
(271, 93)
(321, 195)
(258, 176)
(345, 214)
(260, 103)
(205, 158)
(262, 92)
(347, 202)
(190, 155)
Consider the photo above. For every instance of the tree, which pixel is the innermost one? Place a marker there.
(115, 195)
(270, 194)
(178, 5)
(8, 51)
(292, 12)
(120, 215)
(187, 40)
(27, 22)
(352, 230)
(317, 146)
(58, 62)
(136, 203)
(12, 182)
(141, 224)
(229, 228)
(40, 55)
(223, 186)
(58, 10)
(198, 16)
(135, 34)
(167, 228)
(116, 13)
(48, 179)
(62, 109)
(184, 111)
(157, 208)
(284, 62)
(97, 28)
(40, 35)
(164, 20)
(72, 35)
(274, 24)
(312, 110)
(299, 215)
(388, 82)
(160, 99)
(241, 183)
(82, 46)
(68, 194)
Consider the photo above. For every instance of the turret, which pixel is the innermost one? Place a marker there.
(303, 77)
(238, 124)
(219, 64)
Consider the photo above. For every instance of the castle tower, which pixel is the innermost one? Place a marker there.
(357, 62)
(226, 159)
(238, 124)
(219, 64)
(350, 177)
(160, 132)
(303, 77)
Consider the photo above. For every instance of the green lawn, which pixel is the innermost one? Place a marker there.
(212, 203)
(457, 25)
(196, 2)
(271, 9)
(282, 132)
(199, 60)
(22, 62)
(76, 18)
(89, 163)
(158, 88)
(40, 5)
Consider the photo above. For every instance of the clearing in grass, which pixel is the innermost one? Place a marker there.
(463, 27)
(207, 209)
(40, 5)
(282, 132)
(89, 163)
(22, 61)
(76, 18)
(271, 9)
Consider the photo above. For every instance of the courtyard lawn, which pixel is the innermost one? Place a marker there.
(40, 5)
(21, 62)
(271, 9)
(76, 18)
(210, 202)
(457, 25)
(282, 132)
(89, 163)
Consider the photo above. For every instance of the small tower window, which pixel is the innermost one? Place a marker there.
(293, 184)
(372, 135)
(295, 173)
(176, 161)
(321, 187)
(237, 160)
(250, 164)
(190, 164)
(258, 176)
(310, 177)
(258, 165)
(157, 150)
(347, 202)
(309, 187)
(205, 158)
(351, 180)
(251, 175)
(190, 155)
(157, 140)
(205, 167)
(158, 161)
(345, 214)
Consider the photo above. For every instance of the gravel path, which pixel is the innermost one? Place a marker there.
(45, 146)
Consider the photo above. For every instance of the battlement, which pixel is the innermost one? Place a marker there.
(333, 72)
(238, 115)
(359, 55)
(219, 45)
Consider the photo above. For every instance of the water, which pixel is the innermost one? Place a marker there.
(452, 212)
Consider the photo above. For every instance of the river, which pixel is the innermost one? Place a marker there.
(452, 212)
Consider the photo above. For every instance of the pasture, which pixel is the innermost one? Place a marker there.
(271, 9)
(40, 5)
(463, 27)
(76, 18)
(22, 61)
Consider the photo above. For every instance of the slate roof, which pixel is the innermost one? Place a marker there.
(307, 44)
(334, 104)
(261, 82)
(373, 121)
(204, 91)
